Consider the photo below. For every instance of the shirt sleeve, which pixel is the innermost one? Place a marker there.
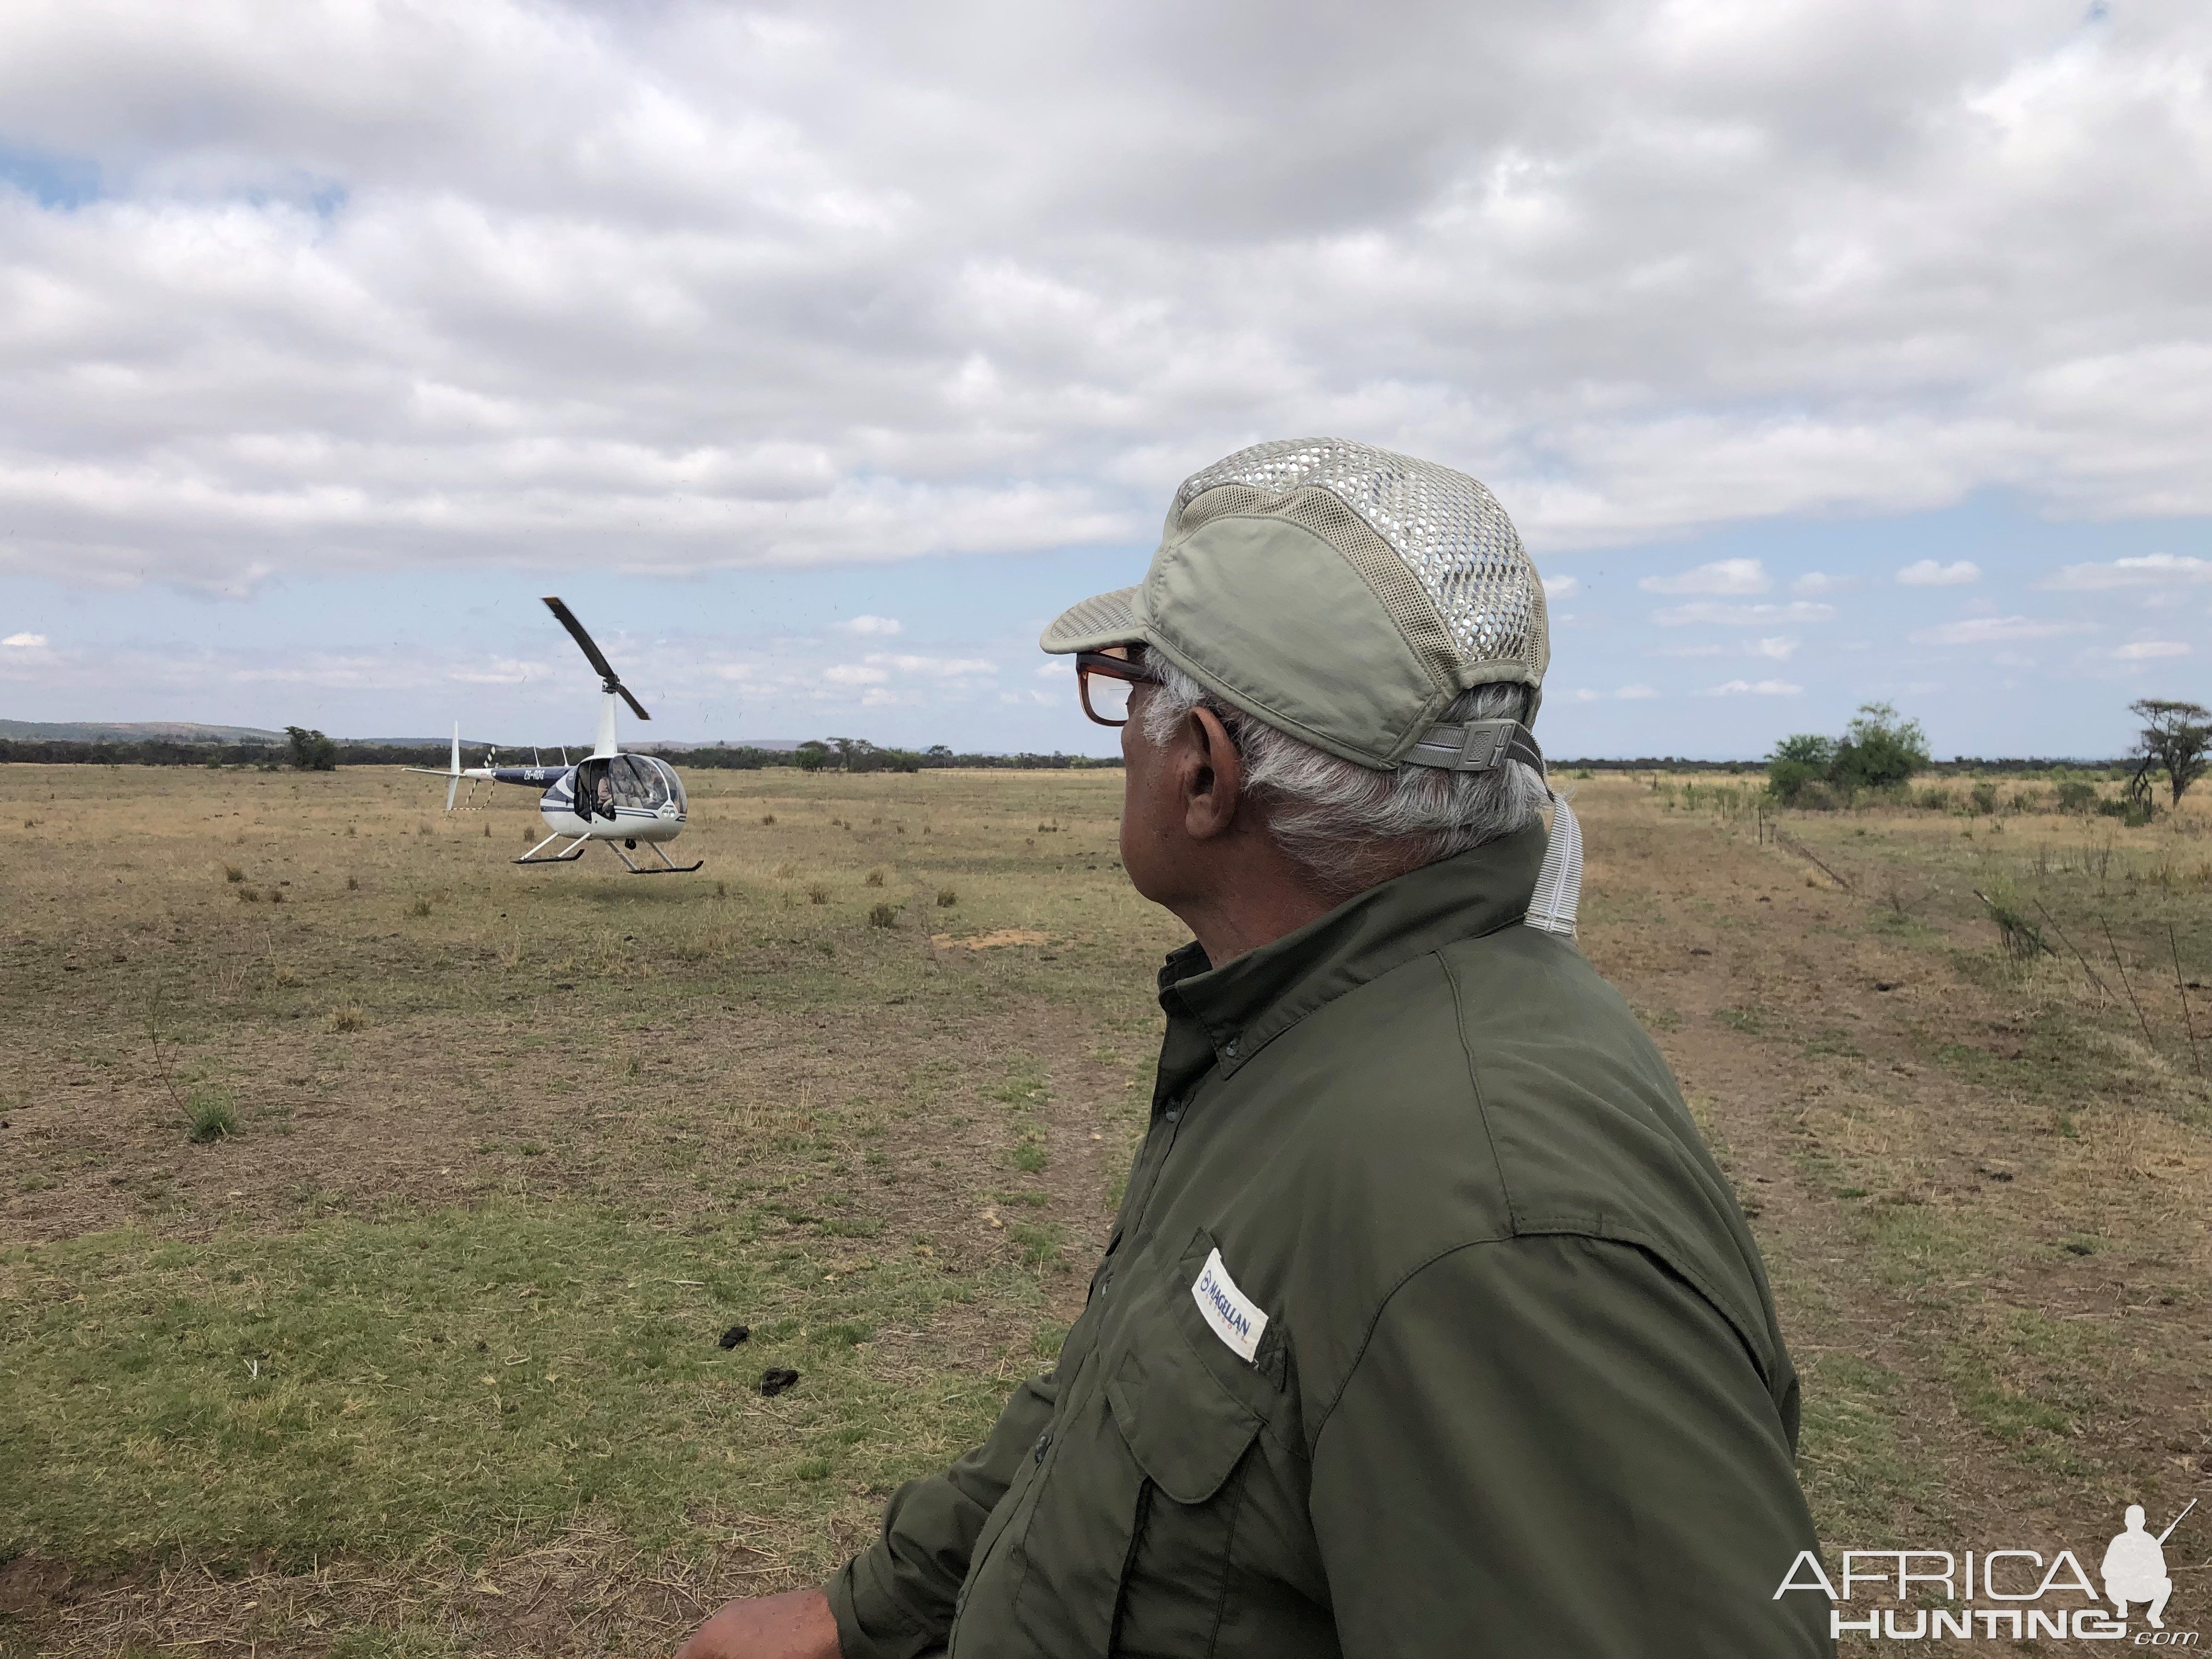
(1554, 1445)
(896, 1598)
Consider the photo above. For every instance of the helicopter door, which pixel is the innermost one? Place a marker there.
(595, 790)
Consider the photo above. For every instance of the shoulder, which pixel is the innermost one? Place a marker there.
(1499, 1089)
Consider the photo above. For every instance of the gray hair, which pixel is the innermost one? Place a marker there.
(1349, 826)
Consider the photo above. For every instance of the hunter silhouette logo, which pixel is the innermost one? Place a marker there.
(2031, 1596)
(2135, 1566)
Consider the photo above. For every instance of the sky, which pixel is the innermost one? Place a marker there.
(819, 355)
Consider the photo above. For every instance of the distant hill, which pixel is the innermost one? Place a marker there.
(133, 732)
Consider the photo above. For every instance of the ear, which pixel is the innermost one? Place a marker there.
(1210, 774)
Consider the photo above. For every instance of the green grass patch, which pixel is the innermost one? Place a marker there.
(394, 1389)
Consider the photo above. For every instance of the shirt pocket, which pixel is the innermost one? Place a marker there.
(1127, 1552)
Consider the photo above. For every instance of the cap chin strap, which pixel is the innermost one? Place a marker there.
(1559, 882)
(1485, 745)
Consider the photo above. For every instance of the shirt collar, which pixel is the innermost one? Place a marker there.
(1223, 1015)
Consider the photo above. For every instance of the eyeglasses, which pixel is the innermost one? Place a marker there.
(1106, 683)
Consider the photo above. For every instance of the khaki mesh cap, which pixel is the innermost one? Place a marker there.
(1342, 593)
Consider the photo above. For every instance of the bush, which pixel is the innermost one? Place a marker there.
(1934, 800)
(818, 894)
(884, 915)
(1985, 798)
(2076, 795)
(310, 750)
(1797, 762)
(1879, 749)
(208, 1114)
(2131, 812)
(946, 898)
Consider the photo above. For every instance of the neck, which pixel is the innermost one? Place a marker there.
(1250, 896)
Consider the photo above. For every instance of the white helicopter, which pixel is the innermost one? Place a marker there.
(622, 799)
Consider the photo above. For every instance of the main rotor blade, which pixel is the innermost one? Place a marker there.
(567, 618)
(635, 707)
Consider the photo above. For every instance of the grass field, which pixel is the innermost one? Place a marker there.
(371, 1209)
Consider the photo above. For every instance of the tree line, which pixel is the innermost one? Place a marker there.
(1881, 751)
(309, 751)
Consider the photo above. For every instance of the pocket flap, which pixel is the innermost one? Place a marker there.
(1186, 1433)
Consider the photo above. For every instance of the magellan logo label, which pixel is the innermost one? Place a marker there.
(1234, 1316)
(2031, 1595)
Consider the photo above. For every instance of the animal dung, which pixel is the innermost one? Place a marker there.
(736, 1334)
(774, 1380)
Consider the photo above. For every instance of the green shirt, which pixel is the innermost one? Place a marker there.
(1428, 1328)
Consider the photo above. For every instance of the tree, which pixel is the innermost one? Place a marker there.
(1879, 750)
(310, 750)
(2176, 737)
(1797, 761)
(809, 756)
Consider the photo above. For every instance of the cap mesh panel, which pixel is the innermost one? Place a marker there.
(1434, 544)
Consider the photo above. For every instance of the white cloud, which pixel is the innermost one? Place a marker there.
(1722, 576)
(1741, 615)
(1987, 630)
(1756, 688)
(1557, 587)
(501, 670)
(727, 288)
(1779, 648)
(855, 673)
(1635, 693)
(25, 642)
(915, 664)
(1057, 669)
(884, 627)
(1926, 573)
(1813, 583)
(2145, 650)
(2149, 570)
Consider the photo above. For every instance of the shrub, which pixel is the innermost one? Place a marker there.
(768, 817)
(1879, 747)
(1934, 800)
(1984, 795)
(818, 894)
(2021, 937)
(248, 895)
(2130, 810)
(1797, 761)
(230, 871)
(208, 1114)
(346, 1017)
(884, 915)
(875, 878)
(946, 898)
(419, 908)
(353, 884)
(310, 750)
(2076, 795)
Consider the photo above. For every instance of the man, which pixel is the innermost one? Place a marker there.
(1428, 1327)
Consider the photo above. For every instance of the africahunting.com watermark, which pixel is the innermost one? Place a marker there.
(2001, 1595)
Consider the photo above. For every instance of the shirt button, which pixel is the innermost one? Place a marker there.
(1044, 1444)
(1173, 1113)
(1229, 1049)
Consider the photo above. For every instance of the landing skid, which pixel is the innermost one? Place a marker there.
(575, 850)
(665, 868)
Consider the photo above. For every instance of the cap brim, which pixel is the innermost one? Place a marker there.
(1109, 619)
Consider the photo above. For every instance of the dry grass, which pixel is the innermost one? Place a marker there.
(589, 1122)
